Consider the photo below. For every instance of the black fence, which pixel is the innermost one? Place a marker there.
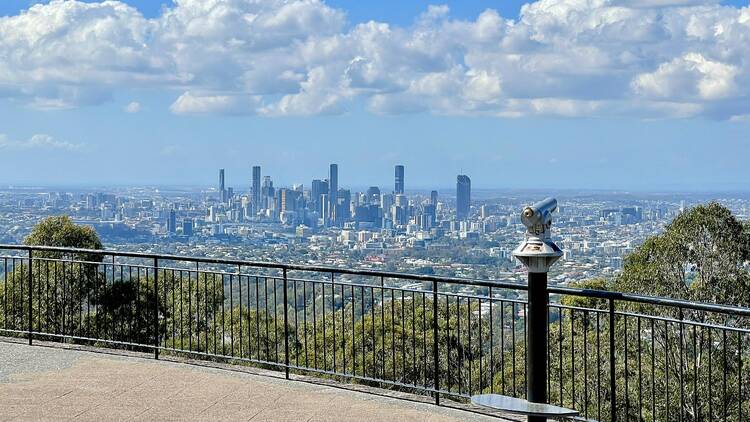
(611, 356)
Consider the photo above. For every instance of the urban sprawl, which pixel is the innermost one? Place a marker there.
(454, 233)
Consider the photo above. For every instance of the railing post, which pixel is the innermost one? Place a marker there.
(286, 328)
(537, 334)
(31, 290)
(612, 374)
(156, 308)
(435, 354)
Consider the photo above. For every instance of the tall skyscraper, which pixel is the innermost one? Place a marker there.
(434, 198)
(399, 187)
(333, 191)
(463, 196)
(256, 187)
(187, 227)
(222, 192)
(172, 222)
(317, 189)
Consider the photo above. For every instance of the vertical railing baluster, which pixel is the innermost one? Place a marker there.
(682, 375)
(333, 317)
(31, 290)
(435, 351)
(612, 375)
(156, 308)
(286, 328)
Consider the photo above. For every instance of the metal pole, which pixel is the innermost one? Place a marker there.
(156, 308)
(435, 354)
(612, 372)
(31, 318)
(536, 358)
(286, 328)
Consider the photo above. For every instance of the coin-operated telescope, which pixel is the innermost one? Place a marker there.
(537, 252)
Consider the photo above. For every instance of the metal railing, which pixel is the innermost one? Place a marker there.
(612, 356)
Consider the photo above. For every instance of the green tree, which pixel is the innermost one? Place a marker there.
(700, 256)
(61, 282)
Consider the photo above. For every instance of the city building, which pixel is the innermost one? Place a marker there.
(463, 196)
(399, 185)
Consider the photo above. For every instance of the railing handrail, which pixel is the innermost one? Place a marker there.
(591, 293)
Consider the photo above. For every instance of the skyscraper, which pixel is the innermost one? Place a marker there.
(187, 227)
(317, 190)
(434, 198)
(256, 187)
(399, 187)
(222, 192)
(267, 193)
(463, 196)
(333, 191)
(172, 222)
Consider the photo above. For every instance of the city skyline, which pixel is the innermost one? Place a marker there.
(602, 110)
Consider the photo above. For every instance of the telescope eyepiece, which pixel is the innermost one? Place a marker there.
(528, 212)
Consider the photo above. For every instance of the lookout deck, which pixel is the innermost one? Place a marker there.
(50, 382)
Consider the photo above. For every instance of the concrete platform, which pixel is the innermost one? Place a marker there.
(48, 381)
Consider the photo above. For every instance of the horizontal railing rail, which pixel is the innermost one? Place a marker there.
(613, 356)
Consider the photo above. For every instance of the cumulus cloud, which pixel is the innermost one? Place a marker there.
(38, 141)
(639, 58)
(133, 107)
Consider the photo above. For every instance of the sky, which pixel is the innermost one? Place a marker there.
(552, 94)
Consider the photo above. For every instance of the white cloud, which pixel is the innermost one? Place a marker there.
(639, 58)
(689, 76)
(38, 141)
(195, 103)
(133, 107)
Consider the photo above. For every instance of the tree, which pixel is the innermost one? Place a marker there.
(700, 256)
(61, 282)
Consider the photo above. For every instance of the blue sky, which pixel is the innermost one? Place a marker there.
(167, 94)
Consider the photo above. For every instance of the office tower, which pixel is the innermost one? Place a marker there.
(333, 191)
(402, 201)
(172, 222)
(373, 195)
(463, 196)
(290, 199)
(386, 200)
(399, 188)
(222, 193)
(343, 209)
(256, 187)
(433, 198)
(187, 227)
(317, 190)
(267, 193)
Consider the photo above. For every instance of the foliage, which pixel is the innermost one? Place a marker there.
(701, 256)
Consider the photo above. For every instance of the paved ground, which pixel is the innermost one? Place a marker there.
(50, 383)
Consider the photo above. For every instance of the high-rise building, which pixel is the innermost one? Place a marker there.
(172, 222)
(463, 196)
(317, 189)
(434, 198)
(373, 195)
(268, 194)
(256, 187)
(343, 209)
(386, 200)
(222, 192)
(187, 227)
(399, 186)
(333, 191)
